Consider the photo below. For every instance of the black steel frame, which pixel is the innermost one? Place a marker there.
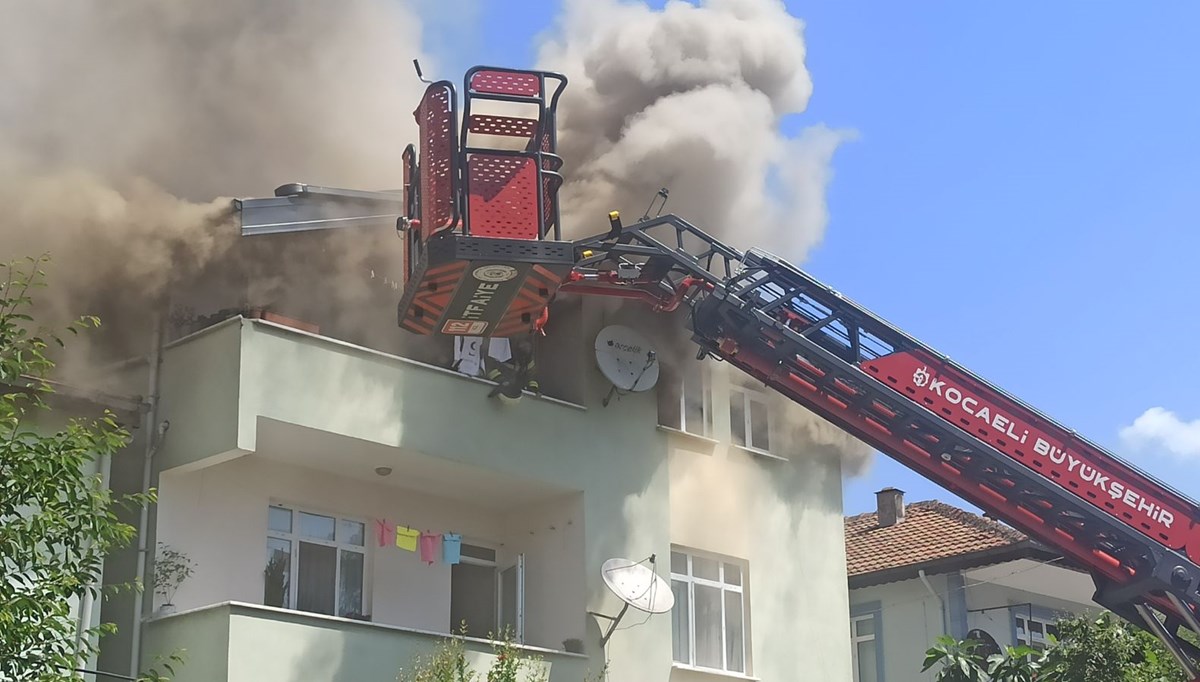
(546, 123)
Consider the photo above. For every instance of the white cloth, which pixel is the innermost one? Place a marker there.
(468, 353)
(468, 356)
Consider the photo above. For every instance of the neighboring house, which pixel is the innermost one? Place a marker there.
(294, 458)
(922, 570)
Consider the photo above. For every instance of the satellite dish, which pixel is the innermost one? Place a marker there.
(626, 358)
(638, 586)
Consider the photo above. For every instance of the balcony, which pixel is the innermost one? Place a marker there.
(237, 642)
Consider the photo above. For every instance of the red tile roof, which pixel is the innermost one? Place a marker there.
(930, 531)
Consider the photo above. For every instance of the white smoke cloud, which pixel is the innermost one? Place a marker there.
(1162, 432)
(691, 97)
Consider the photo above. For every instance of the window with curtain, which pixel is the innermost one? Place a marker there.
(315, 562)
(708, 620)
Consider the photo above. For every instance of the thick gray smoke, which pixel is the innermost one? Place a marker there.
(691, 98)
(125, 126)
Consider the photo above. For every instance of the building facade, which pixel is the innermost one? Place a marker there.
(347, 507)
(927, 569)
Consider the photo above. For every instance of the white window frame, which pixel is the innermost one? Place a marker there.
(749, 396)
(856, 639)
(1040, 643)
(295, 538)
(691, 581)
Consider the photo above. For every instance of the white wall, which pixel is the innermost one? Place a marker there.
(912, 620)
(550, 535)
(218, 516)
(784, 519)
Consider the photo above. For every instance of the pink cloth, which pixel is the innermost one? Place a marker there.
(429, 546)
(385, 532)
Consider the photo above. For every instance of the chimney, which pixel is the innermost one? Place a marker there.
(891, 506)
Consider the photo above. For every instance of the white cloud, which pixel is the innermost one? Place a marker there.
(1163, 432)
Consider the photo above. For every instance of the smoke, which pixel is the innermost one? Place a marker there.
(691, 98)
(125, 128)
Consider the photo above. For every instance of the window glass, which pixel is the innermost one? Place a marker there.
(477, 552)
(679, 563)
(759, 425)
(868, 670)
(737, 417)
(864, 627)
(277, 576)
(350, 532)
(681, 621)
(316, 526)
(317, 568)
(279, 520)
(733, 574)
(705, 568)
(350, 584)
(734, 647)
(708, 626)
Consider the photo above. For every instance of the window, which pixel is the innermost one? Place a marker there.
(686, 403)
(1033, 631)
(708, 620)
(864, 648)
(315, 562)
(750, 418)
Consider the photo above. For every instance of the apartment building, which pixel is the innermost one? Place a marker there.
(921, 570)
(348, 503)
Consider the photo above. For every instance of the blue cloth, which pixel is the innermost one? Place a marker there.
(451, 548)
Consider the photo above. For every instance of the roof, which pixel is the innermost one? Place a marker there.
(933, 535)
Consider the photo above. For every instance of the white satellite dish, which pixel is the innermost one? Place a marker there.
(626, 358)
(638, 586)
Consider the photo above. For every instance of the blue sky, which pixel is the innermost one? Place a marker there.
(1021, 195)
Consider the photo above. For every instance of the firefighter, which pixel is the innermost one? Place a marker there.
(515, 375)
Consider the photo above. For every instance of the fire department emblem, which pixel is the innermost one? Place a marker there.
(921, 377)
(494, 273)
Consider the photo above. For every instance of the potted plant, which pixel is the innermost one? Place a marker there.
(171, 568)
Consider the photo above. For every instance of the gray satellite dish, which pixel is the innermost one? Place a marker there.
(638, 586)
(627, 359)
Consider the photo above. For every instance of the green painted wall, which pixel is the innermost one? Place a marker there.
(240, 643)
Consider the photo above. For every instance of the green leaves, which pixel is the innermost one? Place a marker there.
(1103, 649)
(57, 520)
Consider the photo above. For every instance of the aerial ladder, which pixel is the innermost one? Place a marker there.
(483, 255)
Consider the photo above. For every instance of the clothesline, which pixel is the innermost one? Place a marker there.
(426, 543)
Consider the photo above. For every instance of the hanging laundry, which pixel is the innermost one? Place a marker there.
(384, 532)
(429, 547)
(406, 538)
(451, 548)
(468, 355)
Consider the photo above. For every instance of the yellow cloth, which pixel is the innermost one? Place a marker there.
(406, 538)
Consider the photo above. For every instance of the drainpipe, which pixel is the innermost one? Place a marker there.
(938, 597)
(153, 439)
(87, 602)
